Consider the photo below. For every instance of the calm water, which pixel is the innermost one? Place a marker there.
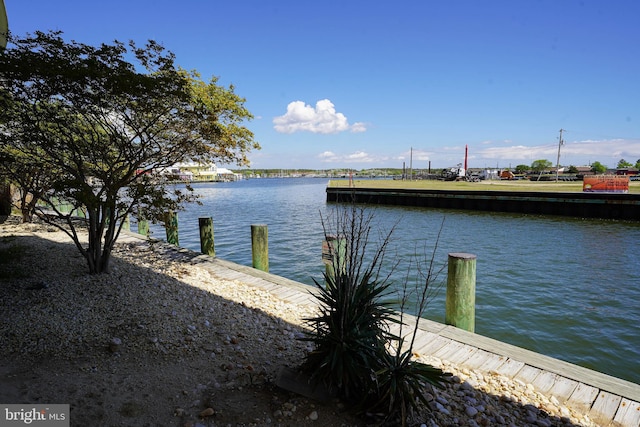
(565, 287)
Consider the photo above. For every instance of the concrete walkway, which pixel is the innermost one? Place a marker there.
(608, 401)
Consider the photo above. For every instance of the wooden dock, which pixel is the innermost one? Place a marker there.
(607, 400)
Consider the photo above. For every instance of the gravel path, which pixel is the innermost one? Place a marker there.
(160, 342)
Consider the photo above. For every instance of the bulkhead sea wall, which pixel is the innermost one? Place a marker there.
(584, 205)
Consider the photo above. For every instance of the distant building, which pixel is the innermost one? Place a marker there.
(225, 174)
(584, 170)
(197, 171)
(627, 171)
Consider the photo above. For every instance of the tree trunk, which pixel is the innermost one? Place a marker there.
(5, 199)
(102, 225)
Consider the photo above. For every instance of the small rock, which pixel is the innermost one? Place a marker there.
(313, 416)
(114, 344)
(471, 411)
(442, 400)
(543, 422)
(442, 409)
(207, 412)
(531, 417)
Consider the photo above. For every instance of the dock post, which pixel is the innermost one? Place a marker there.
(143, 227)
(260, 246)
(171, 226)
(461, 291)
(334, 255)
(206, 236)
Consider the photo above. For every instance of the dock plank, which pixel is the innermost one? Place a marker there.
(582, 397)
(510, 368)
(604, 408)
(527, 374)
(563, 388)
(544, 382)
(448, 350)
(628, 414)
(484, 361)
(432, 346)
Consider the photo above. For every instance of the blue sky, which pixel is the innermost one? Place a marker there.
(363, 84)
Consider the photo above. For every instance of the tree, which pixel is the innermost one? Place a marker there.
(105, 128)
(622, 164)
(572, 169)
(637, 166)
(27, 175)
(541, 165)
(598, 167)
(522, 169)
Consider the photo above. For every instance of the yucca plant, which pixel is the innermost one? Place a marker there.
(348, 333)
(353, 318)
(355, 355)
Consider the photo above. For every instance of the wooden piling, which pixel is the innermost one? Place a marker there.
(206, 236)
(171, 227)
(461, 291)
(143, 227)
(260, 246)
(334, 254)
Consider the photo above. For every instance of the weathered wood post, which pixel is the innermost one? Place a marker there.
(334, 254)
(206, 236)
(126, 225)
(143, 227)
(171, 227)
(461, 291)
(260, 246)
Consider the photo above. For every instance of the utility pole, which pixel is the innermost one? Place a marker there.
(411, 165)
(560, 142)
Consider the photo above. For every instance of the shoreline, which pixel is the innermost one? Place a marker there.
(215, 341)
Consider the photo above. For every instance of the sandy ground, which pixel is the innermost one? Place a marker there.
(189, 350)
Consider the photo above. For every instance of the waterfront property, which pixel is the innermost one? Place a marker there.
(197, 172)
(561, 286)
(606, 400)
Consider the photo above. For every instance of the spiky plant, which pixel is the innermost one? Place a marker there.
(401, 381)
(348, 333)
(353, 318)
(400, 385)
(355, 355)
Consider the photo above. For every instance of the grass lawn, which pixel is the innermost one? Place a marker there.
(519, 185)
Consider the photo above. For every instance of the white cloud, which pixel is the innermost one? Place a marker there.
(322, 119)
(356, 157)
(359, 156)
(327, 156)
(574, 152)
(416, 155)
(358, 127)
